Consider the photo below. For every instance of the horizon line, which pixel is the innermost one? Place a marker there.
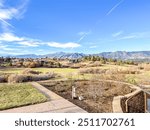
(72, 52)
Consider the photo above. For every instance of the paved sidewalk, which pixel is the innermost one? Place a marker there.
(55, 104)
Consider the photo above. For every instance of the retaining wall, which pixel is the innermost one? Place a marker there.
(136, 103)
(128, 103)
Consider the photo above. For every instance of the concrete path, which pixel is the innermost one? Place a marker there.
(55, 104)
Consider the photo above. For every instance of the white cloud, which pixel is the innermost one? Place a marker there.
(1, 3)
(22, 9)
(41, 50)
(29, 43)
(5, 24)
(128, 37)
(2, 46)
(117, 34)
(83, 35)
(7, 14)
(63, 45)
(9, 37)
(81, 38)
(12, 38)
(114, 7)
(11, 12)
(6, 48)
(92, 46)
(136, 35)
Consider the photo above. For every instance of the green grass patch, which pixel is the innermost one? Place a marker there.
(15, 95)
(44, 70)
(11, 70)
(132, 79)
(56, 70)
(64, 72)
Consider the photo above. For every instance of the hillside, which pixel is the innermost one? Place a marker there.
(123, 55)
(126, 55)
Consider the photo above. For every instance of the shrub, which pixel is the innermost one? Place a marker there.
(140, 68)
(41, 77)
(144, 66)
(19, 78)
(147, 67)
(75, 66)
(26, 64)
(117, 77)
(3, 78)
(92, 71)
(16, 78)
(37, 64)
(30, 71)
(52, 74)
(94, 64)
(18, 64)
(122, 71)
(32, 65)
(131, 80)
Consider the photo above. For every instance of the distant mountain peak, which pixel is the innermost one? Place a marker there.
(123, 55)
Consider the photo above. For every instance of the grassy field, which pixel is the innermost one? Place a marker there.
(44, 70)
(15, 95)
(64, 72)
(69, 73)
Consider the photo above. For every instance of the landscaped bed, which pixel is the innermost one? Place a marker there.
(15, 95)
(97, 95)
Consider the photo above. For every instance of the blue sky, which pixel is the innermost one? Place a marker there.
(87, 26)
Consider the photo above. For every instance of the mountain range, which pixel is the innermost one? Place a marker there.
(123, 55)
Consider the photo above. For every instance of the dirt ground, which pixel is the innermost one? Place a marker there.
(97, 95)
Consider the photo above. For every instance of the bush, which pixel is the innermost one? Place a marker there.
(123, 71)
(26, 64)
(92, 71)
(18, 64)
(140, 68)
(3, 78)
(75, 66)
(19, 78)
(32, 65)
(94, 64)
(37, 64)
(117, 77)
(147, 67)
(41, 77)
(30, 71)
(16, 78)
(131, 81)
(144, 66)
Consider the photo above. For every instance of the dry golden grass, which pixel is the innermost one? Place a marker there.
(3, 78)
(30, 71)
(144, 66)
(92, 71)
(19, 78)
